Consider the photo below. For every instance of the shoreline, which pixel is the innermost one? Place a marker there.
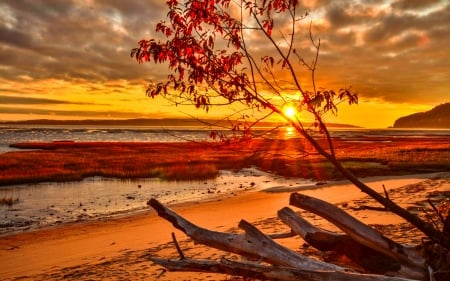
(244, 182)
(101, 248)
(46, 204)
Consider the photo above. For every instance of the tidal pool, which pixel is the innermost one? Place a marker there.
(46, 204)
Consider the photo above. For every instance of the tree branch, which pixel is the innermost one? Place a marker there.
(263, 272)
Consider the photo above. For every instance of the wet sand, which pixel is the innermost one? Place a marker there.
(118, 249)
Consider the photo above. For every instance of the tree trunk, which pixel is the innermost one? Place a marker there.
(412, 264)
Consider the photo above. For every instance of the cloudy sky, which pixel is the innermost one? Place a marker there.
(69, 59)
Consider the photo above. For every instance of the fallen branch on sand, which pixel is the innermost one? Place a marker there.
(380, 258)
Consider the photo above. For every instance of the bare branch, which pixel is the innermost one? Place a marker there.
(180, 252)
(263, 272)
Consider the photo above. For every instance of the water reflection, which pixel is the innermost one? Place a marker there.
(290, 132)
(53, 203)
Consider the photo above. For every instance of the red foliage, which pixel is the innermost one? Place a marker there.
(207, 52)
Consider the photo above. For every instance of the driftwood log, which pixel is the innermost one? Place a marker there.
(264, 272)
(341, 244)
(253, 244)
(380, 258)
(373, 257)
(412, 264)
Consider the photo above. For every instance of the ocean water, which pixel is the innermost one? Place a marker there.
(42, 133)
(47, 204)
(16, 134)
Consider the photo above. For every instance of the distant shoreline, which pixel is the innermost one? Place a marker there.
(153, 122)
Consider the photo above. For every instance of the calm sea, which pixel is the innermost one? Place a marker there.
(47, 204)
(15, 134)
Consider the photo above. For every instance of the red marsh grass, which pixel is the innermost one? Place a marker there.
(70, 161)
(8, 201)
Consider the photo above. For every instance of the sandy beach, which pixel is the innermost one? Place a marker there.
(118, 249)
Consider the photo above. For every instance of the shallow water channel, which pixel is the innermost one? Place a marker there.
(46, 204)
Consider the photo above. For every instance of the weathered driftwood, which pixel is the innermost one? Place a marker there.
(285, 264)
(252, 244)
(264, 272)
(371, 261)
(412, 263)
(439, 237)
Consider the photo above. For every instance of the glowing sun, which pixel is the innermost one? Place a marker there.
(289, 111)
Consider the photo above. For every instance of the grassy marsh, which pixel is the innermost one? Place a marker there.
(72, 161)
(8, 201)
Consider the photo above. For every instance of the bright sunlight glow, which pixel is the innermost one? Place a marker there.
(289, 111)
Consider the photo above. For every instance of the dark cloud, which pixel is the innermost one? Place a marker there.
(394, 51)
(72, 113)
(344, 14)
(15, 38)
(388, 53)
(413, 4)
(71, 40)
(387, 27)
(16, 100)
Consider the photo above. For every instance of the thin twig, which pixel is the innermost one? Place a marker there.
(386, 194)
(180, 252)
(431, 219)
(163, 270)
(436, 211)
(282, 235)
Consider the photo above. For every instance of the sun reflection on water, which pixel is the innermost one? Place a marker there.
(289, 132)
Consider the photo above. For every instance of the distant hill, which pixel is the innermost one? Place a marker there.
(165, 122)
(437, 118)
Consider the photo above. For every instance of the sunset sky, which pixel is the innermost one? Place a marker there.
(69, 59)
